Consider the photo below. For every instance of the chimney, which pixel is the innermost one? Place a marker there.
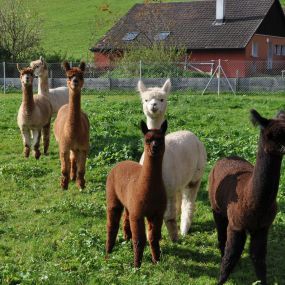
(220, 12)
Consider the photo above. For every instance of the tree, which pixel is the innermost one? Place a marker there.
(20, 31)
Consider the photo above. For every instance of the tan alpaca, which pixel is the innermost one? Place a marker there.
(71, 130)
(140, 190)
(34, 115)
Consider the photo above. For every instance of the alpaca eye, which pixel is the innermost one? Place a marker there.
(145, 100)
(161, 100)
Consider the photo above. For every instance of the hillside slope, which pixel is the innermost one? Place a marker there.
(72, 27)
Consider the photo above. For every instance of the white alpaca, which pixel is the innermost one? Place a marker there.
(57, 96)
(183, 162)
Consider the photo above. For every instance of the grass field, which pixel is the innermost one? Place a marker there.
(50, 236)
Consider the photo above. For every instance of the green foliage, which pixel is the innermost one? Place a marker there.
(20, 31)
(50, 236)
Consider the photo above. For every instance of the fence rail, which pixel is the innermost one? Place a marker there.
(215, 76)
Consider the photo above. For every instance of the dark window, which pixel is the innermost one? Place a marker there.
(130, 36)
(161, 36)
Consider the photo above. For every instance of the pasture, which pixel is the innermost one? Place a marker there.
(51, 236)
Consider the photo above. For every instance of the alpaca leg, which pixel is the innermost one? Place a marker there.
(139, 239)
(258, 250)
(37, 140)
(114, 212)
(234, 247)
(154, 236)
(46, 137)
(170, 218)
(65, 169)
(126, 226)
(27, 141)
(189, 195)
(73, 167)
(81, 160)
(221, 225)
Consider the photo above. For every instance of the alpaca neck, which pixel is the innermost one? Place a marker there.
(151, 173)
(265, 180)
(43, 83)
(74, 111)
(154, 123)
(28, 99)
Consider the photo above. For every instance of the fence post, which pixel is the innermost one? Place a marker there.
(4, 77)
(51, 78)
(140, 69)
(237, 80)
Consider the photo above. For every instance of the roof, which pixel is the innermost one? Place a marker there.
(191, 24)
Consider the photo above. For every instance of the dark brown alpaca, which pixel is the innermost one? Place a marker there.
(243, 197)
(140, 190)
(71, 129)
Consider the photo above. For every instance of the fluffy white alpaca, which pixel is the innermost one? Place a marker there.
(183, 162)
(57, 96)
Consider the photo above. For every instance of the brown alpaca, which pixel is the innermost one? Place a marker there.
(140, 190)
(34, 115)
(243, 197)
(71, 129)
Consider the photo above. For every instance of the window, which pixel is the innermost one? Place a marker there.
(130, 36)
(161, 36)
(278, 49)
(254, 51)
(283, 50)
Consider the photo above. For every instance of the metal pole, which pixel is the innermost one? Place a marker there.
(219, 76)
(140, 69)
(4, 77)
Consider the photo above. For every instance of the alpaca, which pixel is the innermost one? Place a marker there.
(57, 96)
(34, 115)
(71, 129)
(243, 197)
(140, 190)
(183, 162)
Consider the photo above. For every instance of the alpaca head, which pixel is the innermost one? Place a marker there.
(26, 75)
(272, 132)
(39, 66)
(74, 75)
(154, 99)
(154, 140)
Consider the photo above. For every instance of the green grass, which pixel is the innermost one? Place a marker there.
(50, 236)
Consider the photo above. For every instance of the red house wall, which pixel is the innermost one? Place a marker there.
(235, 62)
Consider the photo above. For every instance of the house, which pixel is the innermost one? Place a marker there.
(237, 32)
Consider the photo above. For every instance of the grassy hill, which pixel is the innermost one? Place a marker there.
(72, 27)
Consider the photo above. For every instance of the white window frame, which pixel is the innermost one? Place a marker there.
(278, 49)
(254, 49)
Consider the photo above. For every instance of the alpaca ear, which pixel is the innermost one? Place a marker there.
(18, 67)
(41, 59)
(65, 65)
(164, 127)
(82, 66)
(258, 120)
(167, 86)
(144, 127)
(281, 115)
(141, 87)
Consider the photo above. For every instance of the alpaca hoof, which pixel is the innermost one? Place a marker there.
(64, 183)
(37, 154)
(46, 153)
(27, 152)
(80, 183)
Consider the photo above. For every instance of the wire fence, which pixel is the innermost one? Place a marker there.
(237, 77)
